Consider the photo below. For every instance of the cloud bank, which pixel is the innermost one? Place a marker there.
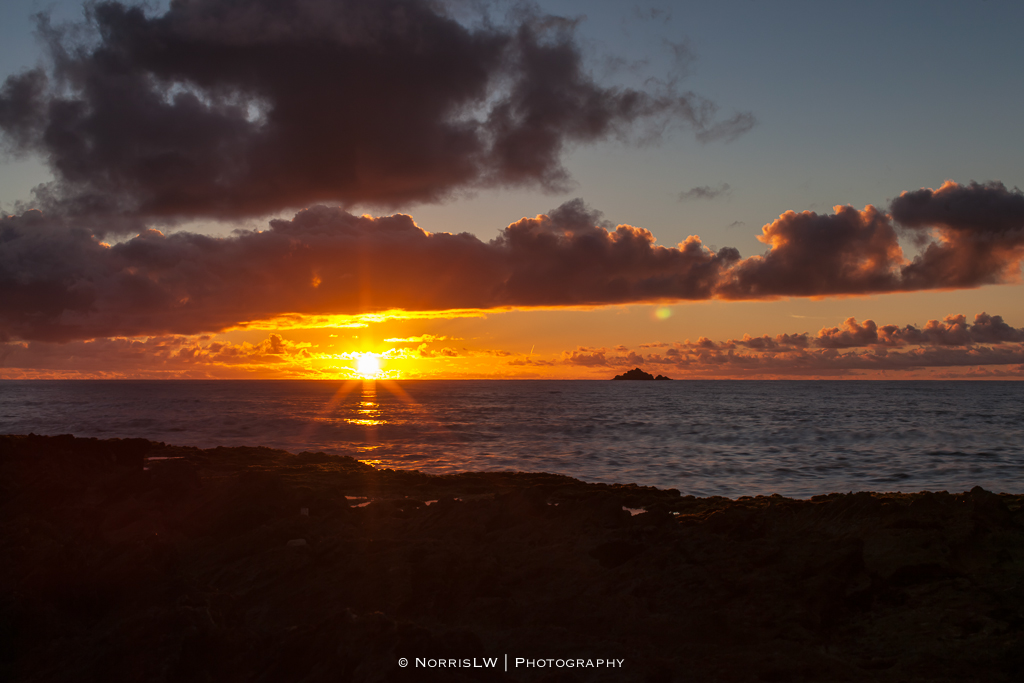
(60, 282)
(952, 347)
(988, 345)
(225, 109)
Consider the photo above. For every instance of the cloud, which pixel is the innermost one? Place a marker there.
(417, 339)
(988, 347)
(58, 281)
(448, 352)
(705, 192)
(585, 356)
(536, 362)
(850, 335)
(980, 230)
(950, 343)
(972, 235)
(227, 109)
(848, 252)
(953, 330)
(564, 258)
(167, 356)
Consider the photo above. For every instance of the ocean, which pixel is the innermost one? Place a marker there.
(727, 438)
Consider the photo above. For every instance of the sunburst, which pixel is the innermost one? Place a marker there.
(368, 366)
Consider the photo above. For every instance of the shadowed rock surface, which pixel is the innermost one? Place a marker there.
(184, 572)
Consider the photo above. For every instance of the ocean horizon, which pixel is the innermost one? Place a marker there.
(732, 438)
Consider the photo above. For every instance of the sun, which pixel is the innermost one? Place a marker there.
(368, 365)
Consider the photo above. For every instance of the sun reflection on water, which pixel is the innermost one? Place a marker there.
(356, 403)
(368, 412)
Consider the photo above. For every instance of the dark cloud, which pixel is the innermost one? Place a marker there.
(954, 330)
(980, 230)
(704, 192)
(564, 258)
(848, 252)
(972, 235)
(225, 109)
(22, 97)
(990, 329)
(975, 208)
(58, 281)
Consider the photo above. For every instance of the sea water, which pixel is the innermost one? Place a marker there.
(730, 438)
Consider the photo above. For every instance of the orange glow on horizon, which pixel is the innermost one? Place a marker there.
(309, 321)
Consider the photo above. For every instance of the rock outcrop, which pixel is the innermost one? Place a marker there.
(637, 373)
(122, 567)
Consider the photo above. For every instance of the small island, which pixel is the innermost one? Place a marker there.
(637, 373)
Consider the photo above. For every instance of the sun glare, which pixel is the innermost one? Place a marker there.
(368, 365)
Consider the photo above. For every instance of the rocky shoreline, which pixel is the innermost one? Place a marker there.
(134, 560)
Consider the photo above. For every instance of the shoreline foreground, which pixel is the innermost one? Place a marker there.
(134, 560)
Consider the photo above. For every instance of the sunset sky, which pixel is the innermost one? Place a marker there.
(343, 188)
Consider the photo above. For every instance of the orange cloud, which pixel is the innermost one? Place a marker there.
(416, 339)
(980, 230)
(58, 282)
(167, 356)
(853, 347)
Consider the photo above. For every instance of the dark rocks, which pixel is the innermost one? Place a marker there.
(183, 572)
(615, 553)
(637, 373)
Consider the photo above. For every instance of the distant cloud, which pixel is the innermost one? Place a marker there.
(984, 347)
(229, 109)
(583, 355)
(158, 357)
(954, 330)
(854, 347)
(59, 282)
(683, 56)
(727, 130)
(656, 14)
(705, 192)
(416, 340)
(198, 356)
(538, 362)
(447, 352)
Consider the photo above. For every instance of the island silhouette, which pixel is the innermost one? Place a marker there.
(637, 373)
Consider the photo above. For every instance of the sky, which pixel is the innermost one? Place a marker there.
(467, 189)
